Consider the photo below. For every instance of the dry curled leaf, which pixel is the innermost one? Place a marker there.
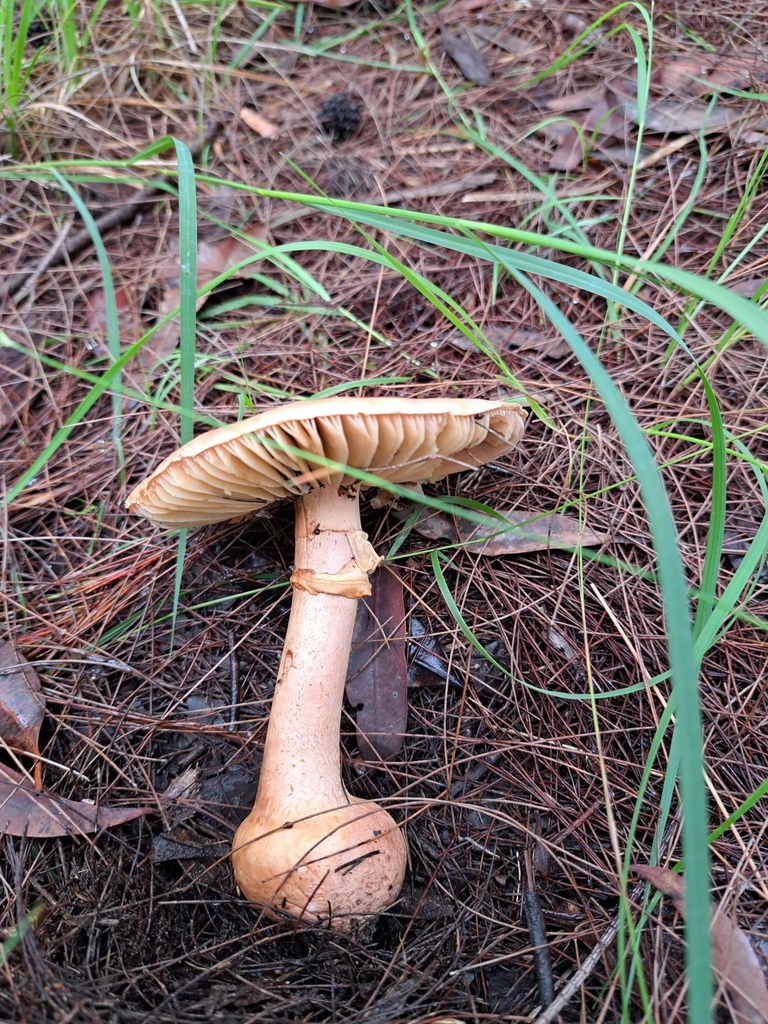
(377, 672)
(464, 55)
(505, 41)
(604, 117)
(22, 704)
(257, 123)
(734, 960)
(582, 99)
(529, 532)
(504, 338)
(688, 116)
(41, 815)
(709, 72)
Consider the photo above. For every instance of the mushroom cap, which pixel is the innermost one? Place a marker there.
(231, 471)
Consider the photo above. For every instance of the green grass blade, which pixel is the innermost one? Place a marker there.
(740, 811)
(683, 662)
(17, 933)
(187, 286)
(110, 304)
(404, 222)
(187, 326)
(453, 608)
(711, 569)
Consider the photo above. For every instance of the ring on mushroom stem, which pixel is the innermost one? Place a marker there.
(309, 850)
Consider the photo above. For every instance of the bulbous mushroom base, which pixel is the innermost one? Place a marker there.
(336, 868)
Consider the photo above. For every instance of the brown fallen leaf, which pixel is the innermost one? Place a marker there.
(582, 99)
(605, 117)
(464, 55)
(707, 73)
(22, 705)
(41, 815)
(734, 960)
(462, 8)
(746, 288)
(530, 532)
(213, 258)
(505, 41)
(579, 25)
(257, 123)
(504, 338)
(624, 154)
(666, 116)
(616, 105)
(377, 676)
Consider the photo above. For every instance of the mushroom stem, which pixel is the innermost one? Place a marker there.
(306, 706)
(308, 848)
(313, 668)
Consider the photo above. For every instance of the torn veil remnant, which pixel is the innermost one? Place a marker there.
(309, 849)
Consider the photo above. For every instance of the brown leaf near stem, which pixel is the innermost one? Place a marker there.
(257, 123)
(603, 118)
(505, 338)
(464, 55)
(530, 532)
(22, 705)
(41, 815)
(734, 960)
(184, 844)
(377, 676)
(213, 258)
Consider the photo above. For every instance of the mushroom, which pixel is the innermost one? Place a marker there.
(309, 850)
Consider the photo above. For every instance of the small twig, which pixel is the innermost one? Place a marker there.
(234, 680)
(16, 285)
(571, 988)
(538, 932)
(44, 263)
(184, 25)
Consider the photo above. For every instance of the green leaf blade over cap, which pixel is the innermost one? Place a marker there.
(230, 472)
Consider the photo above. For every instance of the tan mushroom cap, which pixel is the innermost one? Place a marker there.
(229, 472)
